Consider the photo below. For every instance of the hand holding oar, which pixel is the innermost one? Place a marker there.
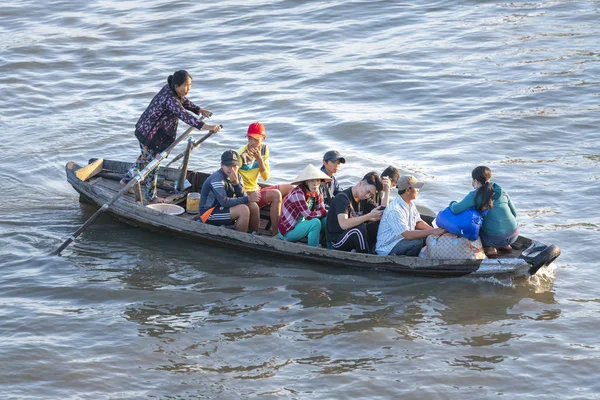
(136, 179)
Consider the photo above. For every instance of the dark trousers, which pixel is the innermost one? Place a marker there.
(372, 228)
(407, 247)
(356, 238)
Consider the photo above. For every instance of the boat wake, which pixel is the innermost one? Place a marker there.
(541, 282)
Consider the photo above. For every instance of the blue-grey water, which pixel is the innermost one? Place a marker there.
(434, 88)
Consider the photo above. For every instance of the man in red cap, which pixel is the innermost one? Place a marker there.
(254, 163)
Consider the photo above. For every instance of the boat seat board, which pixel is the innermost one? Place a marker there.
(90, 170)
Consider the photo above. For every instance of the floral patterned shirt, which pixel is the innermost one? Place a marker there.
(157, 126)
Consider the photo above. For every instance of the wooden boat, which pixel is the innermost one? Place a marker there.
(98, 182)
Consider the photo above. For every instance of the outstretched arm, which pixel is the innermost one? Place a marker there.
(464, 204)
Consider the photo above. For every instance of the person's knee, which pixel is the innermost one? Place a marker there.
(240, 211)
(315, 224)
(286, 188)
(417, 243)
(415, 247)
(324, 224)
(407, 247)
(253, 208)
(274, 196)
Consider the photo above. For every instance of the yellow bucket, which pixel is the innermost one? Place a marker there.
(192, 203)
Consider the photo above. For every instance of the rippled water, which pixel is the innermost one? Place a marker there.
(432, 88)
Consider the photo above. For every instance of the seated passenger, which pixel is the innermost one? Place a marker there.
(303, 207)
(332, 161)
(223, 200)
(389, 177)
(402, 232)
(500, 227)
(255, 162)
(350, 212)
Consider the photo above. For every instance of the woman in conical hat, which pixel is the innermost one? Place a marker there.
(303, 208)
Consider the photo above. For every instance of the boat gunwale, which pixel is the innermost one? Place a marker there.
(135, 214)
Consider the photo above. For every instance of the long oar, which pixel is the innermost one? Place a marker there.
(194, 146)
(136, 179)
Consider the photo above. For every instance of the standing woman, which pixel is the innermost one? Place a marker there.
(500, 227)
(157, 127)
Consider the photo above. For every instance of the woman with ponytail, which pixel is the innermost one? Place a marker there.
(500, 227)
(157, 127)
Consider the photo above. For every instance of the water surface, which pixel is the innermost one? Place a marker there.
(432, 88)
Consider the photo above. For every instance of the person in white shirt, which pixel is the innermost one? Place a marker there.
(402, 232)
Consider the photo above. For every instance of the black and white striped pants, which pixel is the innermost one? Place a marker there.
(355, 238)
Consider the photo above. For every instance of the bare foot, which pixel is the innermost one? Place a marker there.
(506, 249)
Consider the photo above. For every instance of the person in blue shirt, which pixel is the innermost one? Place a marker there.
(500, 227)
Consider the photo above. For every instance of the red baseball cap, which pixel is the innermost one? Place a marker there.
(256, 129)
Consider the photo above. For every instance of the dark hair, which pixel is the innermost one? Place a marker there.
(485, 194)
(306, 189)
(372, 178)
(178, 78)
(392, 173)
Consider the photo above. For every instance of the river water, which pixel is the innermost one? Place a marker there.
(434, 88)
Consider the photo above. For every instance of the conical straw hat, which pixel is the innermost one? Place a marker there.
(309, 173)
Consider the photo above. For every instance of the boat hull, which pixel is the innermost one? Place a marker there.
(98, 191)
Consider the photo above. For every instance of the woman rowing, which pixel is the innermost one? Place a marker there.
(157, 127)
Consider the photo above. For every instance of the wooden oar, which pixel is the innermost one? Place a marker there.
(136, 179)
(195, 145)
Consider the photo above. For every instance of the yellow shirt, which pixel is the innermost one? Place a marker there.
(250, 168)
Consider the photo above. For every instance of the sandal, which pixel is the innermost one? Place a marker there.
(491, 252)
